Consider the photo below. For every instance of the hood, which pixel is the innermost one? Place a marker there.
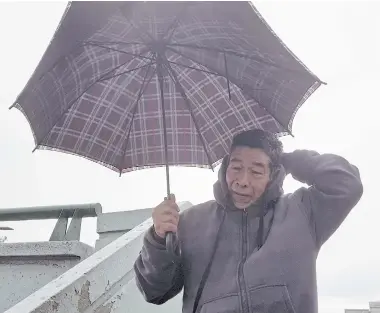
(273, 191)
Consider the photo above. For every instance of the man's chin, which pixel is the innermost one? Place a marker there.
(242, 206)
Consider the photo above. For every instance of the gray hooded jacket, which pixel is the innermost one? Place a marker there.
(275, 273)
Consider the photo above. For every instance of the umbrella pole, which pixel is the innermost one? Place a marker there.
(169, 236)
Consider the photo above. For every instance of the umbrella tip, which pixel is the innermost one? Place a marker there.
(12, 106)
(290, 132)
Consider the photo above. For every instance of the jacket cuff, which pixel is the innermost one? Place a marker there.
(154, 239)
(159, 239)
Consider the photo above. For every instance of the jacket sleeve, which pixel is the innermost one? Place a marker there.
(159, 277)
(334, 189)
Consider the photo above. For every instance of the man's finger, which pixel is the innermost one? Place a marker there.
(170, 227)
(167, 227)
(171, 205)
(169, 210)
(169, 219)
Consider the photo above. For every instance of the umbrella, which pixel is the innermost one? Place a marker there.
(134, 85)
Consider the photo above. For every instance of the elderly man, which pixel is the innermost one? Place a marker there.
(252, 249)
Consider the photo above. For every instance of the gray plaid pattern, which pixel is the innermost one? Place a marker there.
(88, 103)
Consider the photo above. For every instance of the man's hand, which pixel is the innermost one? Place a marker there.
(166, 217)
(285, 160)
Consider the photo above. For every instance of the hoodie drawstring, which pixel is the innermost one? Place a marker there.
(259, 240)
(206, 273)
(260, 231)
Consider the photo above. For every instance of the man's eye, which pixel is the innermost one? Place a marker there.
(235, 168)
(257, 173)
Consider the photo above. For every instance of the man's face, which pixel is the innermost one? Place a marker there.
(247, 175)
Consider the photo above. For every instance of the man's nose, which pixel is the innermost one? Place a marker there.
(243, 179)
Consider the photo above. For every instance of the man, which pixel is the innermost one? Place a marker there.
(253, 249)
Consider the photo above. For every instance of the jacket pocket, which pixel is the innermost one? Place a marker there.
(227, 304)
(271, 299)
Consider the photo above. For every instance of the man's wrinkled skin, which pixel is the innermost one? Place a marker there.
(247, 175)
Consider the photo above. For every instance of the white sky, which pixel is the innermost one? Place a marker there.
(338, 40)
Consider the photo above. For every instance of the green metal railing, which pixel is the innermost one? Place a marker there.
(62, 231)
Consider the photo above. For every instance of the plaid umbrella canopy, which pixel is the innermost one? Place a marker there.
(143, 84)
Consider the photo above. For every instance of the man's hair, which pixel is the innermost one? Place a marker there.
(258, 138)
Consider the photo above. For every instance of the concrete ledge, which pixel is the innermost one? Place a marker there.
(45, 249)
(374, 305)
(26, 267)
(94, 284)
(121, 221)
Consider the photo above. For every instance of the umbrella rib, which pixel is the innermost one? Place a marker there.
(228, 80)
(62, 57)
(120, 51)
(174, 77)
(79, 45)
(134, 110)
(118, 43)
(82, 93)
(194, 68)
(200, 70)
(125, 15)
(236, 83)
(238, 54)
(216, 73)
(125, 72)
(174, 25)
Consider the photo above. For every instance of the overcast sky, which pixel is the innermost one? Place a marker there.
(338, 40)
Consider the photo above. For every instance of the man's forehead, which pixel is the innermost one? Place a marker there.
(249, 155)
(261, 163)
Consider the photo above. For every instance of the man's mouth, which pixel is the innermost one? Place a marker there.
(241, 197)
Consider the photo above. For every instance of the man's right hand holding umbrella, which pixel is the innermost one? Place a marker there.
(165, 218)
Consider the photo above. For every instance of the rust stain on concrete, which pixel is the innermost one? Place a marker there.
(84, 297)
(54, 306)
(84, 301)
(48, 306)
(104, 308)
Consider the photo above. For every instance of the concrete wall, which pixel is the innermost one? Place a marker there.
(111, 226)
(26, 267)
(374, 307)
(103, 283)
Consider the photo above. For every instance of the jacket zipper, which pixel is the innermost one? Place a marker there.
(242, 287)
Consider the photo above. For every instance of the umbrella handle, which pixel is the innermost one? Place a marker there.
(170, 243)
